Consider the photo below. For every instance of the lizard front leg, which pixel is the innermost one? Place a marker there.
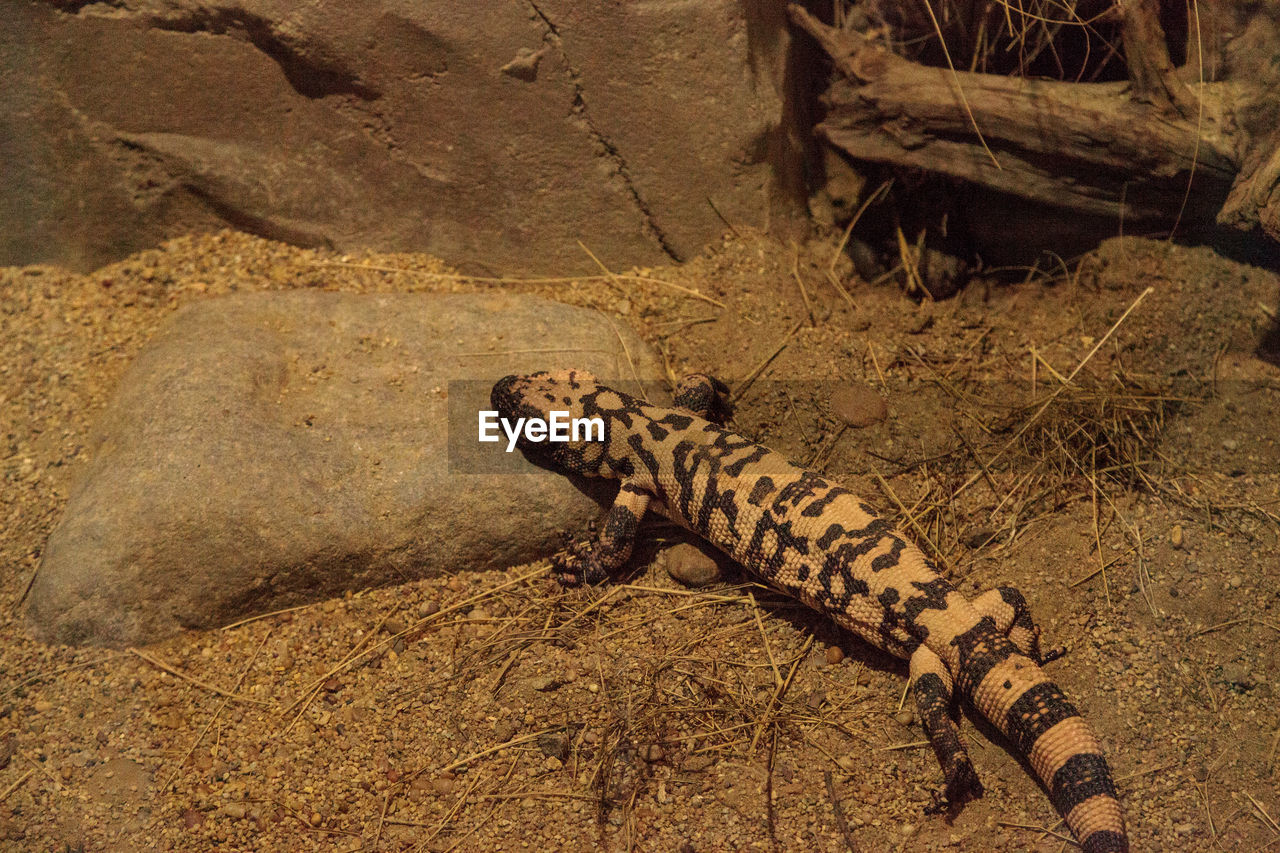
(591, 560)
(932, 683)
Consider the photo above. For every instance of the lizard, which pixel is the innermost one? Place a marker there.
(819, 542)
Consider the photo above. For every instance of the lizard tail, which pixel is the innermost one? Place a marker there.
(1011, 691)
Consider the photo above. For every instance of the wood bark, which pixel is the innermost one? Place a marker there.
(1151, 149)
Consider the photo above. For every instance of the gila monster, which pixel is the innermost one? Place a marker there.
(820, 543)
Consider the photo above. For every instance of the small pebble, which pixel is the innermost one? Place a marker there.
(652, 752)
(42, 706)
(554, 744)
(543, 683)
(906, 716)
(980, 537)
(687, 564)
(835, 654)
(235, 811)
(1230, 444)
(1235, 581)
(857, 404)
(1176, 536)
(1237, 674)
(443, 785)
(428, 608)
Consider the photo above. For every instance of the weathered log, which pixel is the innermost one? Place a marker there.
(1151, 149)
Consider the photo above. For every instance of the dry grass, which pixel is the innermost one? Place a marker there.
(1075, 40)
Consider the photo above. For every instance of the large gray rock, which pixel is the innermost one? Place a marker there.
(272, 449)
(495, 135)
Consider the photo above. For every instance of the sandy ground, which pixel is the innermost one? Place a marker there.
(1138, 513)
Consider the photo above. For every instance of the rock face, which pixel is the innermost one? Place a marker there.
(494, 135)
(273, 449)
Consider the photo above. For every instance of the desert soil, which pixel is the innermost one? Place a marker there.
(1136, 508)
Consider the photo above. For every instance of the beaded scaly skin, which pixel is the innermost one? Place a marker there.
(818, 542)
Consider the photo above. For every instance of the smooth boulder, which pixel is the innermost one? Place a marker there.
(273, 449)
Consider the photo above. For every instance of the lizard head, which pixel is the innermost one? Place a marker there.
(562, 401)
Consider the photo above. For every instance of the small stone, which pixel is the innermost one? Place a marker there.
(906, 716)
(544, 683)
(42, 706)
(553, 763)
(979, 538)
(554, 744)
(504, 730)
(1237, 675)
(525, 64)
(858, 404)
(698, 763)
(1235, 581)
(1230, 444)
(835, 654)
(1184, 828)
(1176, 536)
(235, 811)
(428, 608)
(652, 752)
(443, 785)
(192, 818)
(689, 565)
(394, 625)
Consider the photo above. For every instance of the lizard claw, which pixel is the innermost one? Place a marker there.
(577, 565)
(1051, 655)
(962, 784)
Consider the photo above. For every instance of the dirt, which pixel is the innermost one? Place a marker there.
(645, 715)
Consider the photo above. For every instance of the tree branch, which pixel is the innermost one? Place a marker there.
(1146, 53)
(1088, 147)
